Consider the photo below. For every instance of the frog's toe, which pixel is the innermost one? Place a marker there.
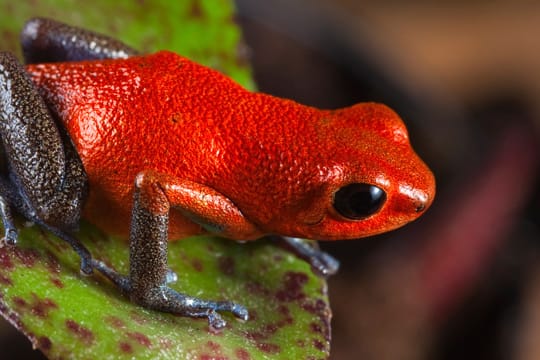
(237, 310)
(324, 264)
(215, 321)
(86, 267)
(10, 237)
(240, 312)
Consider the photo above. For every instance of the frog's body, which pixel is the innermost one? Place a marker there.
(278, 161)
(158, 137)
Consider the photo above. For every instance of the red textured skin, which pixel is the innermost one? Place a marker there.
(277, 161)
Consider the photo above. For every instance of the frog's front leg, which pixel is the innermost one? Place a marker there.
(322, 263)
(147, 281)
(45, 180)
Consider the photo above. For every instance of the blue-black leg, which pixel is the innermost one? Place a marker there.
(322, 263)
(44, 179)
(45, 40)
(10, 231)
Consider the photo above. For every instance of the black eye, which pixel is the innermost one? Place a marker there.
(357, 201)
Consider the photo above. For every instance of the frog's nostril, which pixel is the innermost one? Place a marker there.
(422, 200)
(420, 207)
(418, 199)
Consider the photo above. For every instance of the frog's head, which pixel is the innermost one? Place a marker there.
(367, 179)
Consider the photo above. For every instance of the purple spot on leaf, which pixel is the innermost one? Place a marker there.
(195, 10)
(6, 281)
(57, 282)
(197, 265)
(293, 283)
(227, 265)
(38, 307)
(125, 347)
(318, 345)
(27, 257)
(267, 331)
(255, 335)
(140, 338)
(269, 348)
(5, 260)
(315, 327)
(52, 263)
(115, 322)
(213, 346)
(81, 332)
(44, 343)
(242, 354)
(317, 307)
(41, 308)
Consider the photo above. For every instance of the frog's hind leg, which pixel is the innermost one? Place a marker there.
(43, 177)
(45, 40)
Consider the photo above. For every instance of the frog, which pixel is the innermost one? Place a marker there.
(155, 147)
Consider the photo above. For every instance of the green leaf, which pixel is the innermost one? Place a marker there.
(67, 315)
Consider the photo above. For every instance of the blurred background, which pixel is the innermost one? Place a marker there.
(464, 280)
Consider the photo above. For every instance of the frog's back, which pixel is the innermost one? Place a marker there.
(165, 111)
(142, 106)
(159, 91)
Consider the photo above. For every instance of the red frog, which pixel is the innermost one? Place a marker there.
(157, 147)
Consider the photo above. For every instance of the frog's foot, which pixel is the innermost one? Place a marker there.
(163, 298)
(322, 263)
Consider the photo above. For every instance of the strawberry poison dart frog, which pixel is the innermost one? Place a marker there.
(157, 147)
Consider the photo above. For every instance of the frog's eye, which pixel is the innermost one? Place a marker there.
(358, 201)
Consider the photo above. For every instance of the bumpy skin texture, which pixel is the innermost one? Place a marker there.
(273, 163)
